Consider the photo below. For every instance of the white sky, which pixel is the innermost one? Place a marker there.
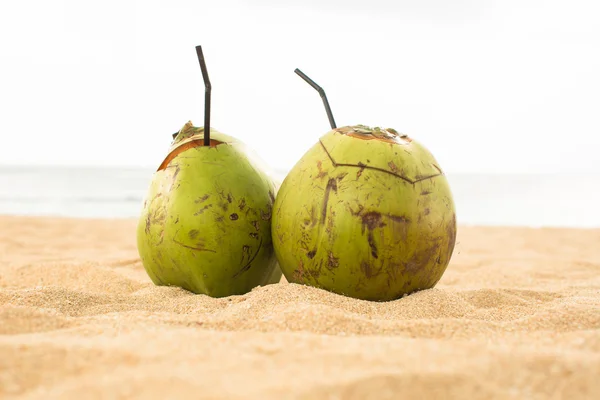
(487, 86)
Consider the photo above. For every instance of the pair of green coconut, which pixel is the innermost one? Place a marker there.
(365, 213)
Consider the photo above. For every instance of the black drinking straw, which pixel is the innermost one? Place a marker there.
(321, 93)
(208, 88)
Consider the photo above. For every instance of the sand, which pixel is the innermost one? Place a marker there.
(516, 316)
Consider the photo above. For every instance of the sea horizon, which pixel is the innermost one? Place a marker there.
(564, 200)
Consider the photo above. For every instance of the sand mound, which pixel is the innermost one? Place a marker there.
(517, 315)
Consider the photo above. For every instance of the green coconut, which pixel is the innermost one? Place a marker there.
(205, 225)
(366, 213)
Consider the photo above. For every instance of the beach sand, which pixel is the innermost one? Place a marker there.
(516, 316)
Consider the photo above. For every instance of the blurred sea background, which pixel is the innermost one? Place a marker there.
(542, 200)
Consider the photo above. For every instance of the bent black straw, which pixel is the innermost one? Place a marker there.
(208, 88)
(321, 93)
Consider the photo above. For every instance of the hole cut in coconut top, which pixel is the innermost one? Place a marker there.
(186, 146)
(190, 133)
(189, 137)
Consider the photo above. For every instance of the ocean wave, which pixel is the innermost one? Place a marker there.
(63, 199)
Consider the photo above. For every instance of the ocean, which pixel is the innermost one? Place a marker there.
(504, 200)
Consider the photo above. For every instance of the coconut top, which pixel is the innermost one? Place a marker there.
(190, 136)
(381, 149)
(189, 133)
(376, 133)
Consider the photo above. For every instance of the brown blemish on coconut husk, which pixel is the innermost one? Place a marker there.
(368, 270)
(400, 226)
(299, 273)
(315, 273)
(332, 261)
(372, 220)
(331, 185)
(341, 176)
(321, 173)
(392, 272)
(199, 246)
(422, 258)
(200, 211)
(246, 251)
(202, 199)
(266, 216)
